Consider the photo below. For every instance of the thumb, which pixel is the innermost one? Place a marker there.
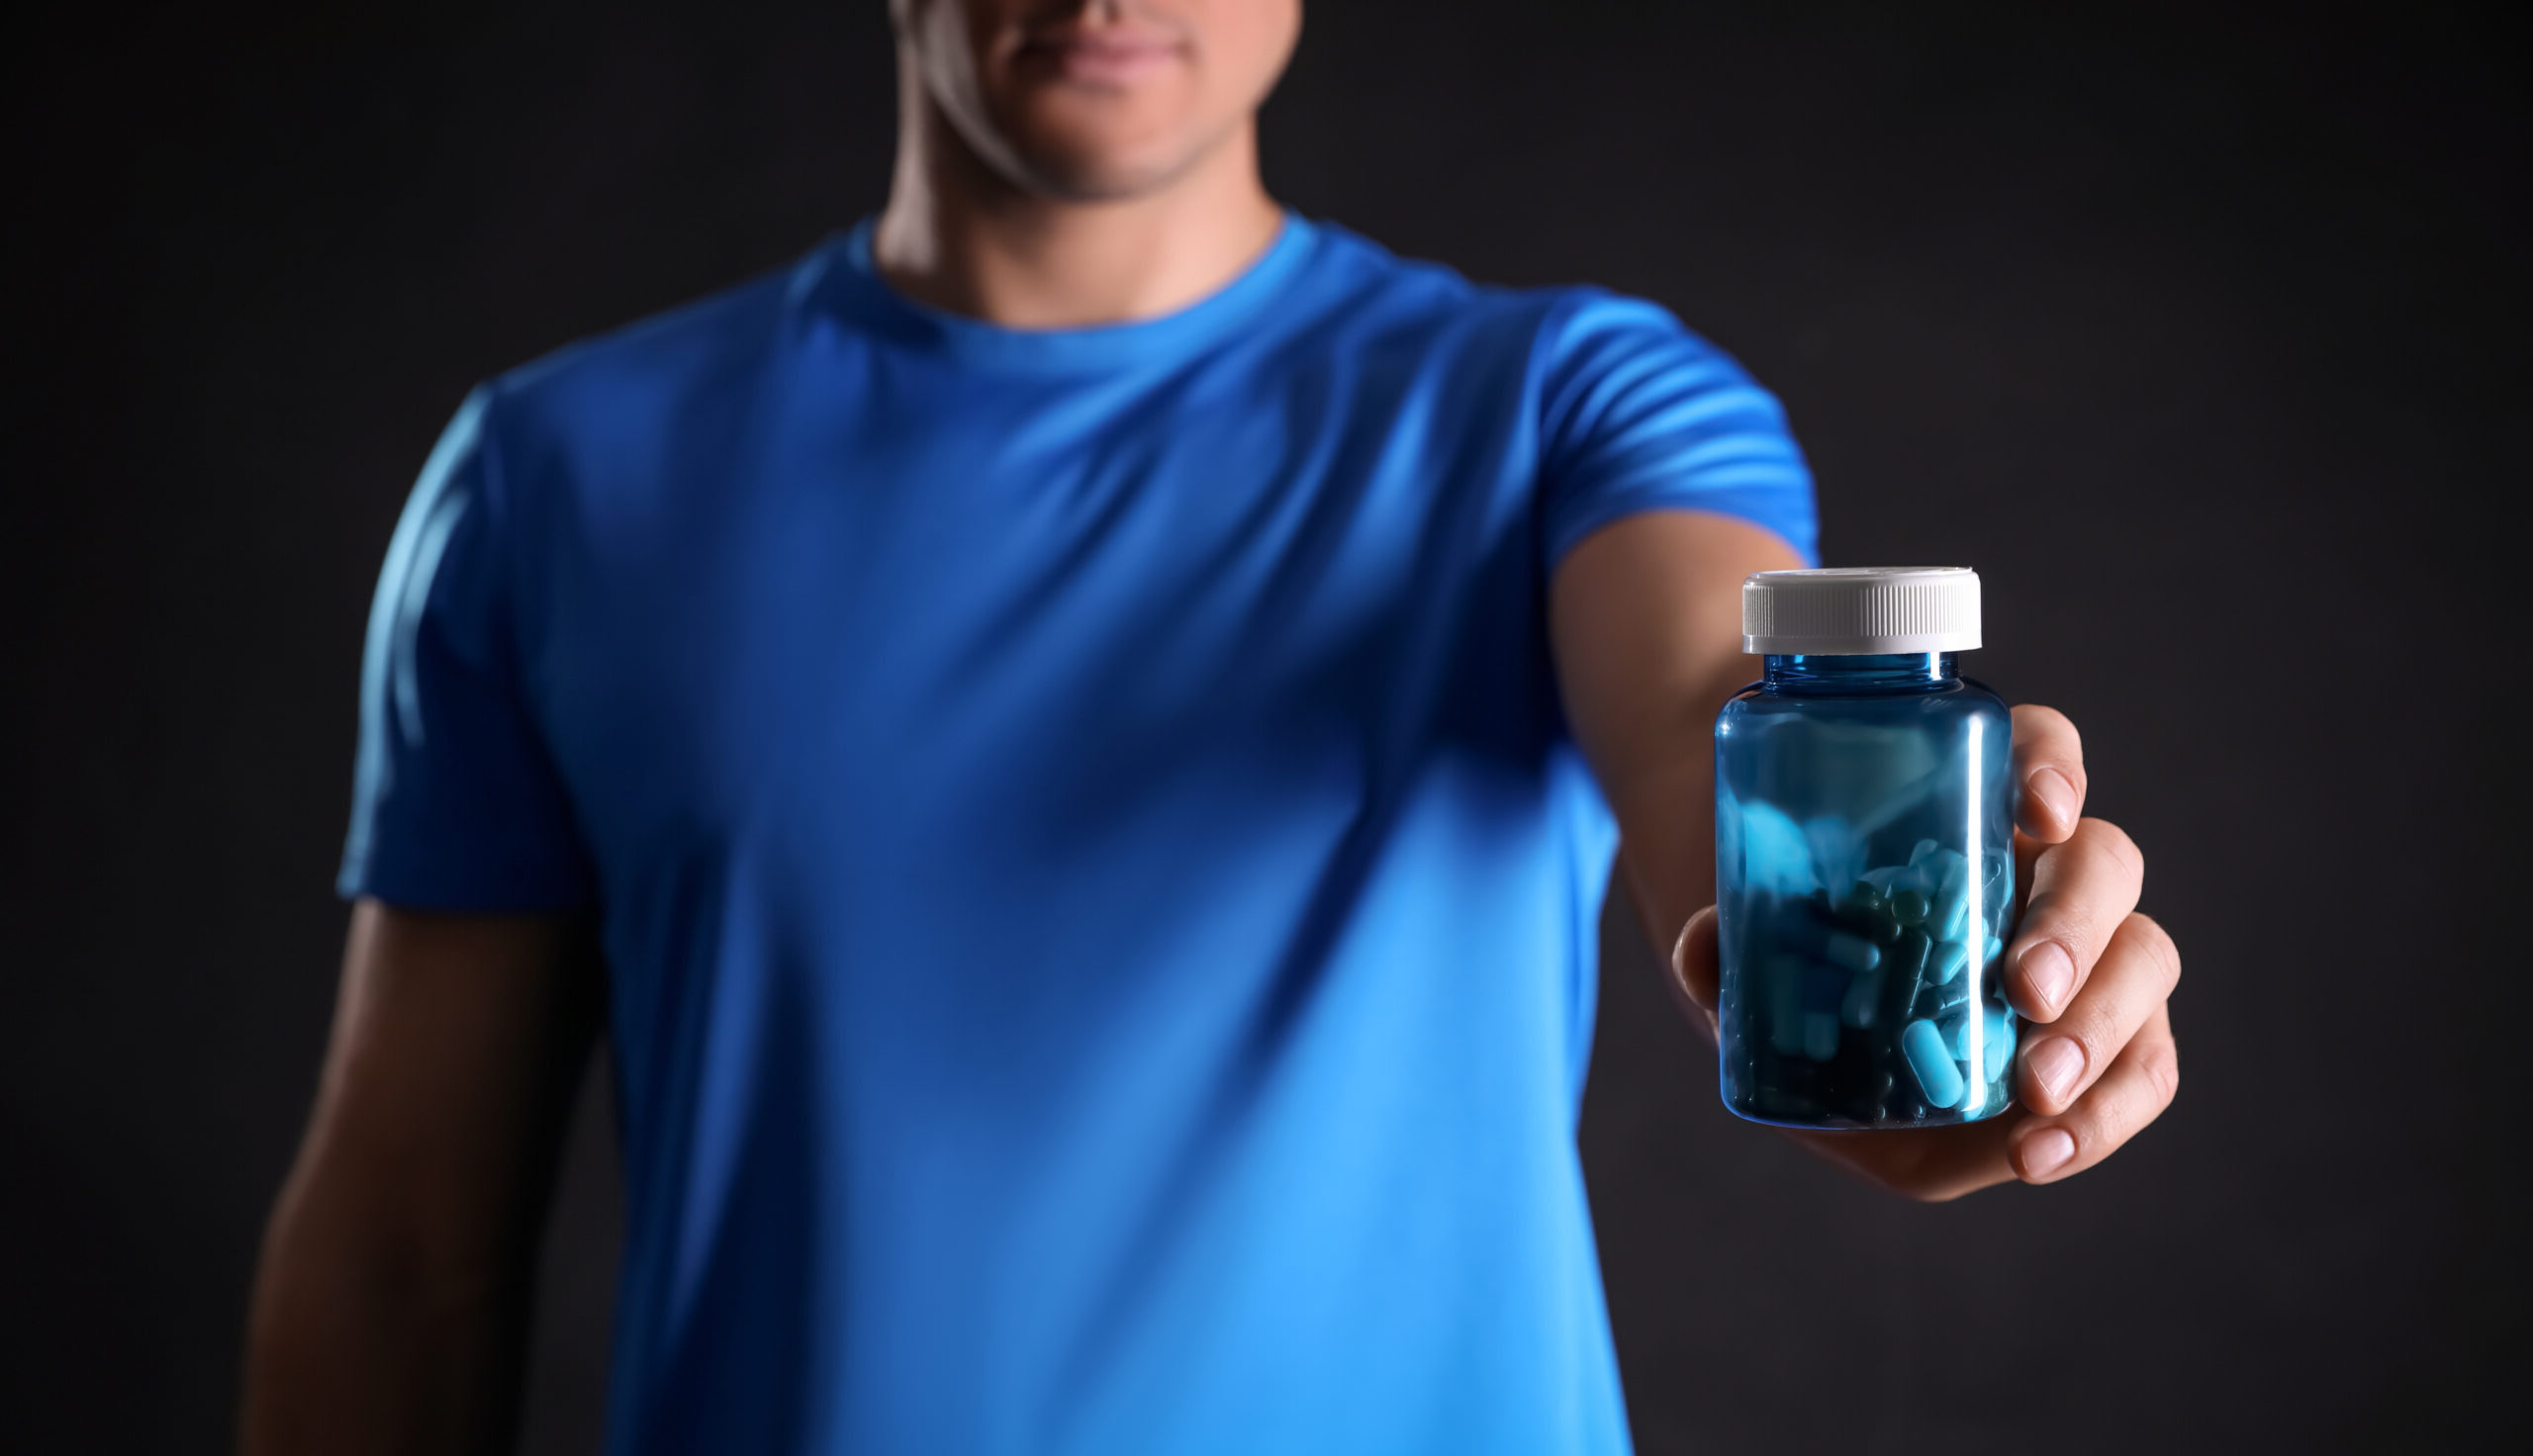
(1695, 968)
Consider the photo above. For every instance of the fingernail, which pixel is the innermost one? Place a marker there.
(2047, 971)
(2056, 792)
(2046, 1151)
(2054, 1063)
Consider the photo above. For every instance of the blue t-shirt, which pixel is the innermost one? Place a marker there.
(1098, 894)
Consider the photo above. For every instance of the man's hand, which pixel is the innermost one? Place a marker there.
(1646, 619)
(2084, 964)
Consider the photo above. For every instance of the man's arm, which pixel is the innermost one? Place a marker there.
(1645, 619)
(389, 1309)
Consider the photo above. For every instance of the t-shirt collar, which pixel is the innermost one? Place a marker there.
(850, 283)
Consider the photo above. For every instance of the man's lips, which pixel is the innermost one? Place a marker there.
(1109, 57)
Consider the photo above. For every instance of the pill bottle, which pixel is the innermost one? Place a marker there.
(1864, 857)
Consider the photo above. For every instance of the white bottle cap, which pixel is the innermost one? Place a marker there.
(1850, 611)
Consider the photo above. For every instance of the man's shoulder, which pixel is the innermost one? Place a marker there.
(1383, 288)
(1371, 282)
(711, 342)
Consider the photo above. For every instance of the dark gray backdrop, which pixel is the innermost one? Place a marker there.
(2199, 331)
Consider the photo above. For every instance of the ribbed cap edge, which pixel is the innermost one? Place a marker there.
(1852, 610)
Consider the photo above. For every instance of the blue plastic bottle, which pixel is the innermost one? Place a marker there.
(1864, 857)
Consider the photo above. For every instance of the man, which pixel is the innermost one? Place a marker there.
(1063, 719)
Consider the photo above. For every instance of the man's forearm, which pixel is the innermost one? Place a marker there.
(363, 1339)
(390, 1311)
(1646, 624)
(1668, 854)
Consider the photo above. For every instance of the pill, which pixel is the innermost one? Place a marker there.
(1774, 854)
(1937, 1077)
(1902, 968)
(1908, 906)
(1881, 929)
(1951, 899)
(1867, 913)
(1955, 1025)
(1950, 917)
(1995, 948)
(1955, 873)
(1864, 1000)
(1819, 1035)
(1945, 959)
(1925, 850)
(1837, 857)
(1993, 1025)
(1850, 951)
(1909, 956)
(2000, 1041)
(1937, 999)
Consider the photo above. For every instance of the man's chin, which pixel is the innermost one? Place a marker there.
(1087, 165)
(1101, 186)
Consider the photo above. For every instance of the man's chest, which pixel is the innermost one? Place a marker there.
(890, 625)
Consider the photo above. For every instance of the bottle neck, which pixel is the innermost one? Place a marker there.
(1892, 671)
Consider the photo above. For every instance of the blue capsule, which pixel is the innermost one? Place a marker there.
(1944, 962)
(1820, 1036)
(1938, 1078)
(1992, 1023)
(1996, 1031)
(1900, 976)
(1852, 951)
(1948, 917)
(1951, 898)
(2000, 1044)
(1938, 997)
(1837, 855)
(1864, 1000)
(1774, 855)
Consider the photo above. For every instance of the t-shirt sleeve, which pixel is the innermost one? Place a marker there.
(457, 801)
(1639, 414)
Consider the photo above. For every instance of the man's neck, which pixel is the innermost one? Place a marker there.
(962, 237)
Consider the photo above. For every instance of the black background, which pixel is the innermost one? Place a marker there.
(2201, 331)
